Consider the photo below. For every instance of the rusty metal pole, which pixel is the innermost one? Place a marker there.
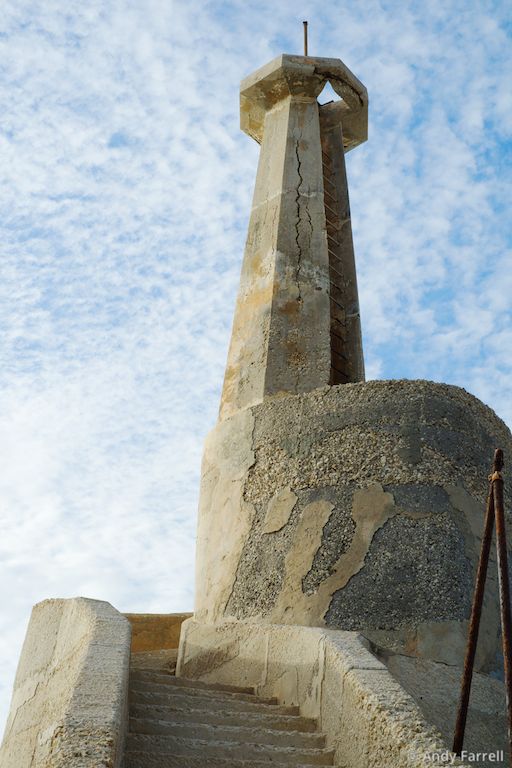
(503, 580)
(305, 37)
(474, 623)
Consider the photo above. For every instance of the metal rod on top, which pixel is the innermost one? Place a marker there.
(305, 38)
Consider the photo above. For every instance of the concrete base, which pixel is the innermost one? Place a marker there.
(357, 507)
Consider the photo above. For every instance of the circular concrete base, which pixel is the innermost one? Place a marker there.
(355, 507)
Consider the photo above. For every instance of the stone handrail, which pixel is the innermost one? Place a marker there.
(69, 704)
(366, 715)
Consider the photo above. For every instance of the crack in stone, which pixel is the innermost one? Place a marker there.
(310, 222)
(297, 222)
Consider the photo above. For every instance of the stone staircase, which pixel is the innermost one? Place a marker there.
(179, 723)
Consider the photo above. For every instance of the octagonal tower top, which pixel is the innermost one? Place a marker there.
(288, 75)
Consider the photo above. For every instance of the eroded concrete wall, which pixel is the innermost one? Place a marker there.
(69, 704)
(368, 718)
(357, 507)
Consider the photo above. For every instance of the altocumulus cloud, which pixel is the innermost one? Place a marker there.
(125, 192)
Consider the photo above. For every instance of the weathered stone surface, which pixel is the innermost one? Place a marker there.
(279, 510)
(375, 493)
(177, 717)
(347, 360)
(281, 338)
(436, 687)
(337, 536)
(225, 519)
(418, 568)
(155, 631)
(368, 718)
(69, 705)
(291, 75)
(160, 660)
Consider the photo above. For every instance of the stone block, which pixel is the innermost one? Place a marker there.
(69, 704)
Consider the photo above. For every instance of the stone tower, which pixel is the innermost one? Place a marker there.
(297, 324)
(325, 500)
(330, 508)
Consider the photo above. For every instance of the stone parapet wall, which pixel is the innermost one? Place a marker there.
(368, 718)
(358, 507)
(155, 631)
(69, 704)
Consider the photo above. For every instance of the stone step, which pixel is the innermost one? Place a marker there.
(185, 690)
(165, 760)
(231, 733)
(177, 700)
(254, 719)
(139, 742)
(165, 659)
(164, 684)
(157, 670)
(163, 677)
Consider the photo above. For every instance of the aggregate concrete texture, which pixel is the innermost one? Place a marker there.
(357, 507)
(280, 341)
(69, 704)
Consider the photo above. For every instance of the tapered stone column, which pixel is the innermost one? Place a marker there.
(290, 331)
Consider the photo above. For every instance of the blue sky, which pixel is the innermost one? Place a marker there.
(125, 193)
